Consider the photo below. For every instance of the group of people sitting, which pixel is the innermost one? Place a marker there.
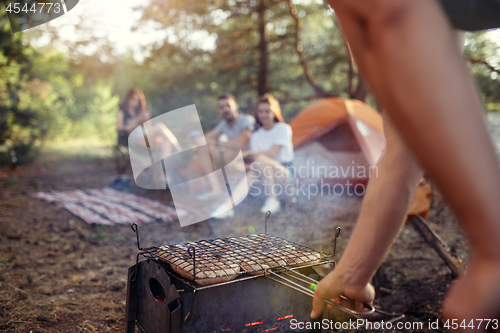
(264, 138)
(407, 52)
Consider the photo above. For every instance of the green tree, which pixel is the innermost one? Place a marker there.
(483, 57)
(295, 51)
(45, 94)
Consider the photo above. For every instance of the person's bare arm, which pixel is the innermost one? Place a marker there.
(165, 136)
(119, 121)
(407, 52)
(120, 126)
(243, 138)
(385, 205)
(212, 136)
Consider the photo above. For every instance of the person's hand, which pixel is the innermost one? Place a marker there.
(246, 153)
(248, 157)
(334, 285)
(143, 117)
(475, 296)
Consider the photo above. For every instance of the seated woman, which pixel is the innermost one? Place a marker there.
(271, 150)
(133, 113)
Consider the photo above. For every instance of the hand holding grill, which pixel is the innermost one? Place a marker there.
(334, 287)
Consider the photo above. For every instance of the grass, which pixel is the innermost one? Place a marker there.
(89, 235)
(83, 149)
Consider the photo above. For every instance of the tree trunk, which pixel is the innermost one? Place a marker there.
(263, 87)
(299, 49)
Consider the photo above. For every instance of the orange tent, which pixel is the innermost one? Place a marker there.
(344, 136)
(338, 141)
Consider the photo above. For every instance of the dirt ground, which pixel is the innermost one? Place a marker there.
(60, 274)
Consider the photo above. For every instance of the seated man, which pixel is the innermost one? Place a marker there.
(238, 128)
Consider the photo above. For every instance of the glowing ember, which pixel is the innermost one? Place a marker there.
(256, 323)
(285, 317)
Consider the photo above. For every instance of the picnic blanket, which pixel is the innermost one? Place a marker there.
(108, 206)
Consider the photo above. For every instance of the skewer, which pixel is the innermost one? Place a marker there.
(280, 278)
(265, 222)
(337, 233)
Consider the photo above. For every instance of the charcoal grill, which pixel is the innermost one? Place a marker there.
(252, 283)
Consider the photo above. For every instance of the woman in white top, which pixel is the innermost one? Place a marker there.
(271, 150)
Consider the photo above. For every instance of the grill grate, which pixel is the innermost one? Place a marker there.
(227, 258)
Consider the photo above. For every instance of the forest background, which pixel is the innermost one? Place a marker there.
(62, 94)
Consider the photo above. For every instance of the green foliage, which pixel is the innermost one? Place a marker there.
(189, 73)
(74, 95)
(16, 114)
(46, 96)
(212, 48)
(85, 105)
(481, 49)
